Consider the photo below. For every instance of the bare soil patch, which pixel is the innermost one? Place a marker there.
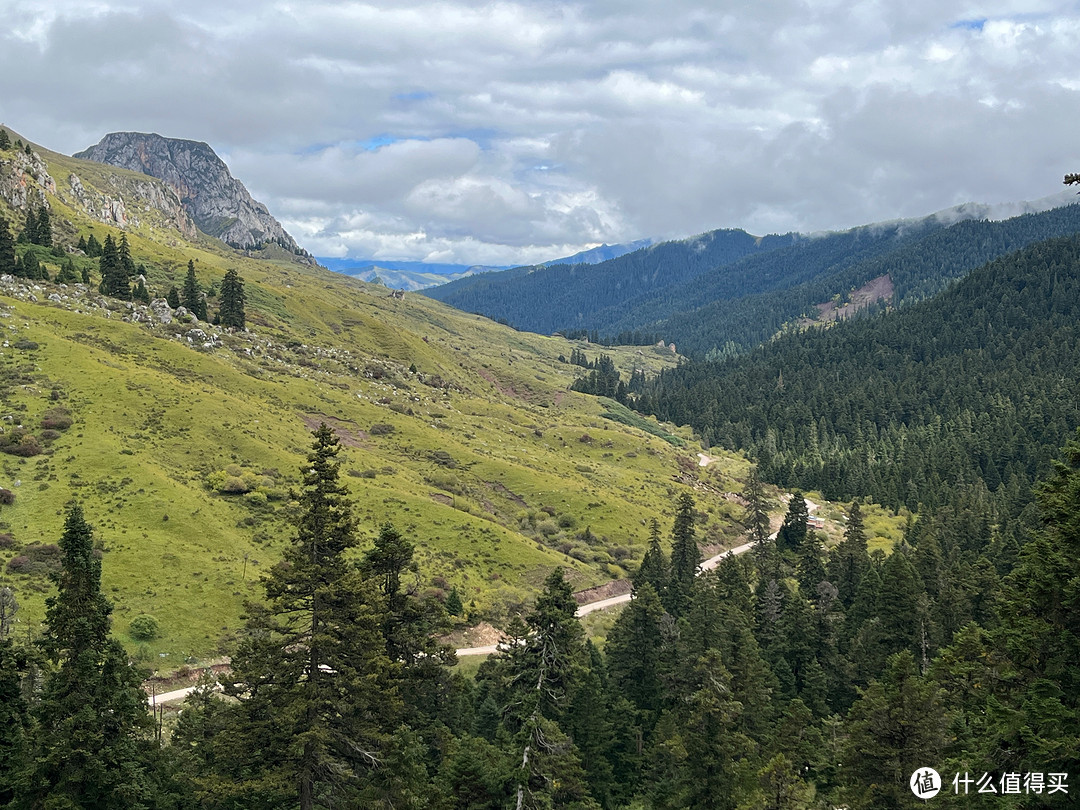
(617, 587)
(348, 433)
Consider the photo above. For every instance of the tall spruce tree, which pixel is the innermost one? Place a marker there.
(191, 296)
(540, 671)
(312, 679)
(685, 557)
(92, 746)
(28, 234)
(7, 249)
(654, 568)
(231, 312)
(114, 277)
(793, 531)
(93, 247)
(43, 234)
(849, 559)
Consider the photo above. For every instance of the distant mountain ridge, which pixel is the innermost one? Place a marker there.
(218, 203)
(725, 291)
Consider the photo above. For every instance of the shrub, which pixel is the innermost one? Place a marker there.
(381, 429)
(144, 628)
(37, 558)
(442, 458)
(50, 435)
(56, 419)
(7, 540)
(234, 486)
(256, 498)
(7, 497)
(20, 444)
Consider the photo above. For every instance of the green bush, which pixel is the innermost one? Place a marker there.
(144, 628)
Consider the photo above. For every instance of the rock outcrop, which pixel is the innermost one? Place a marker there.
(217, 202)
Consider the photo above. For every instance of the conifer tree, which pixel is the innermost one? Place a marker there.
(541, 669)
(14, 721)
(231, 311)
(91, 746)
(633, 649)
(114, 278)
(43, 234)
(756, 521)
(312, 678)
(93, 247)
(7, 249)
(5, 139)
(173, 297)
(191, 296)
(685, 557)
(849, 559)
(453, 603)
(123, 250)
(896, 726)
(793, 530)
(140, 293)
(654, 568)
(67, 274)
(28, 234)
(81, 244)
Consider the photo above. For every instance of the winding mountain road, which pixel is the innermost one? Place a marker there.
(489, 649)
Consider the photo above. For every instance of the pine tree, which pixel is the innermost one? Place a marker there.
(28, 234)
(231, 311)
(5, 139)
(540, 671)
(685, 557)
(173, 297)
(123, 250)
(67, 274)
(92, 745)
(654, 568)
(93, 247)
(793, 530)
(633, 650)
(14, 721)
(849, 559)
(140, 293)
(191, 297)
(312, 678)
(7, 249)
(453, 603)
(43, 234)
(756, 521)
(114, 278)
(30, 267)
(896, 726)
(81, 244)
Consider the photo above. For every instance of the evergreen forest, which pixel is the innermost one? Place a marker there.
(784, 678)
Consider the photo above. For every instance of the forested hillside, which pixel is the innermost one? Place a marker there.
(562, 297)
(724, 308)
(977, 385)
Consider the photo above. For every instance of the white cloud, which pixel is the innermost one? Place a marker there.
(517, 131)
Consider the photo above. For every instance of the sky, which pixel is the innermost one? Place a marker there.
(516, 132)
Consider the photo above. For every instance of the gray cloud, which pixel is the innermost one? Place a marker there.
(515, 131)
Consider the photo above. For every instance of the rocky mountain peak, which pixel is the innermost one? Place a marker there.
(217, 202)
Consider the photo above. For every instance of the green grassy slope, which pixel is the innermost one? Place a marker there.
(482, 455)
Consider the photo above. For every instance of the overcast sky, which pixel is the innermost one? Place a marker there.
(508, 133)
